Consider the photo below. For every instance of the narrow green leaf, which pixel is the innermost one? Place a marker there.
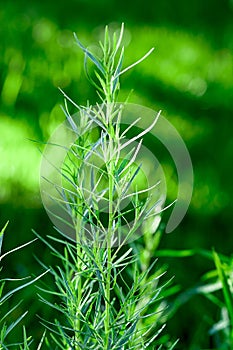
(155, 336)
(90, 55)
(226, 288)
(13, 324)
(1, 235)
(144, 132)
(10, 311)
(118, 42)
(17, 248)
(137, 62)
(6, 296)
(89, 77)
(173, 345)
(115, 76)
(4, 228)
(106, 43)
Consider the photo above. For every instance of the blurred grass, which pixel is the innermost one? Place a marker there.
(189, 77)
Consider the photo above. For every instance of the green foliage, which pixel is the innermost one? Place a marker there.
(110, 65)
(81, 281)
(7, 328)
(106, 300)
(216, 287)
(190, 79)
(2, 234)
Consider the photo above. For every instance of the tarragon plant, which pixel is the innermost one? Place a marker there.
(105, 298)
(105, 293)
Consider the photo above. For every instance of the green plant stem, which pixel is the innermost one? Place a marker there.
(79, 290)
(107, 300)
(109, 252)
(79, 286)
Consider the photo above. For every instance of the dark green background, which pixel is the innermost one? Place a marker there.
(189, 76)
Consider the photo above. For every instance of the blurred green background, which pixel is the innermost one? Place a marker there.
(189, 76)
